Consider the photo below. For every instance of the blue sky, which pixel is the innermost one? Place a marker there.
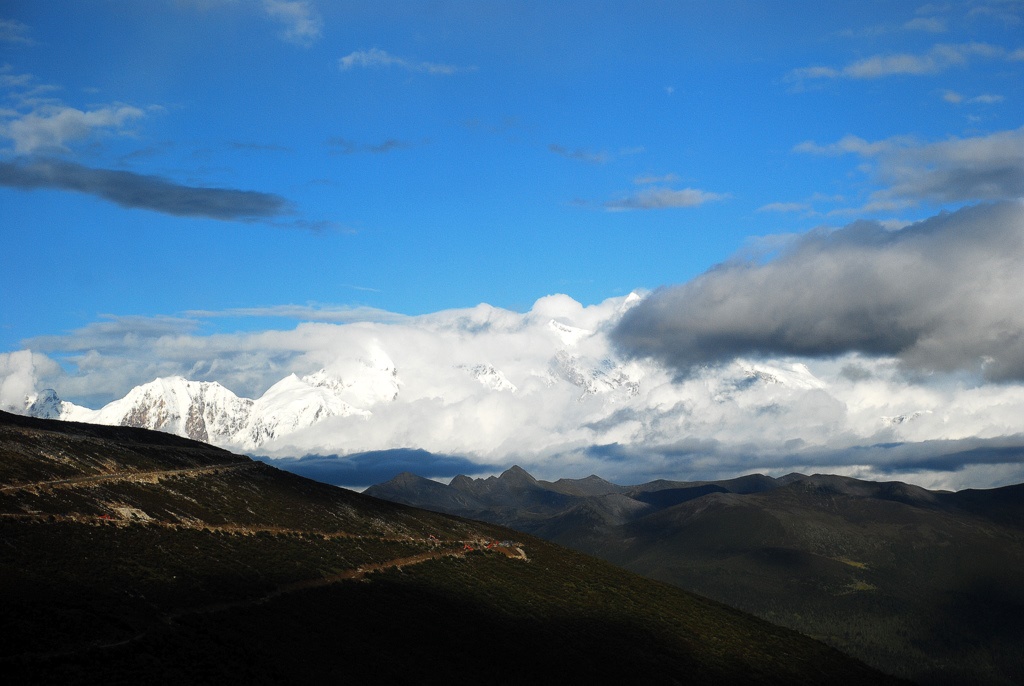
(418, 156)
(821, 203)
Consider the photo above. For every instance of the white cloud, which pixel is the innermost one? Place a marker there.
(785, 207)
(52, 127)
(663, 198)
(302, 24)
(926, 24)
(20, 373)
(14, 32)
(376, 57)
(955, 98)
(940, 58)
(308, 313)
(579, 407)
(649, 178)
(986, 99)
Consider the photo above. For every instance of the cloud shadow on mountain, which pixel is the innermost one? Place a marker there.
(376, 466)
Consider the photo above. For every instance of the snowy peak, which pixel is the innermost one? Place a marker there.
(292, 404)
(603, 377)
(200, 410)
(361, 381)
(568, 335)
(45, 405)
(489, 377)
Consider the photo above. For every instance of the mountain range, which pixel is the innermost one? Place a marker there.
(355, 387)
(547, 388)
(206, 411)
(925, 584)
(133, 556)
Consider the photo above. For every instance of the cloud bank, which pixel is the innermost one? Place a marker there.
(828, 357)
(941, 295)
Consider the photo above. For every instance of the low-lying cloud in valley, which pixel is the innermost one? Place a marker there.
(867, 350)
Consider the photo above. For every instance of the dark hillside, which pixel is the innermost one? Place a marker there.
(928, 585)
(153, 561)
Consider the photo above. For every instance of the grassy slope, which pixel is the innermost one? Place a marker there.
(922, 584)
(930, 593)
(184, 585)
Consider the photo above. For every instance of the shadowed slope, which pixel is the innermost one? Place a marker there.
(925, 584)
(229, 571)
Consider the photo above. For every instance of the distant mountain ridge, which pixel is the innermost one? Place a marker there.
(925, 584)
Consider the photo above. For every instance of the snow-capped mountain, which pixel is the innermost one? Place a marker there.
(208, 412)
(603, 377)
(201, 410)
(489, 377)
(46, 405)
(491, 383)
(292, 404)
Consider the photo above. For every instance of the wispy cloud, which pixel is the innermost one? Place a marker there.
(257, 147)
(302, 24)
(580, 154)
(50, 128)
(376, 57)
(1009, 13)
(305, 313)
(926, 24)
(955, 98)
(132, 190)
(343, 146)
(651, 178)
(785, 207)
(116, 334)
(663, 198)
(940, 58)
(14, 32)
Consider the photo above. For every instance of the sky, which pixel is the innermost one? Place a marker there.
(787, 180)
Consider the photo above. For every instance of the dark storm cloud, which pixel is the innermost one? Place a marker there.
(132, 190)
(378, 466)
(945, 294)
